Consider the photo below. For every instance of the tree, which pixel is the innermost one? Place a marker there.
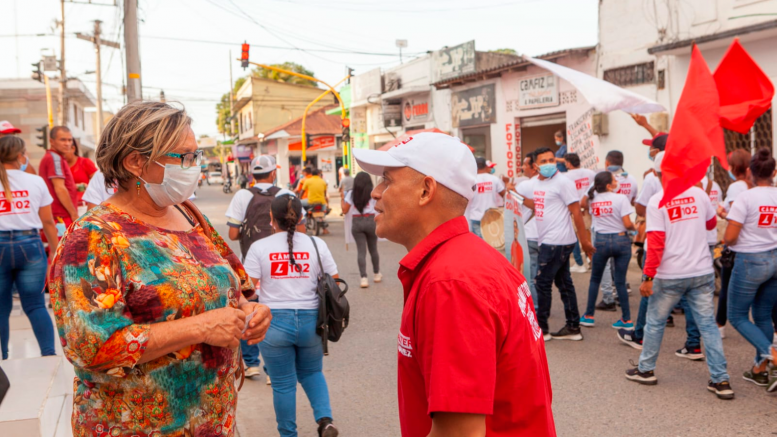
(222, 110)
(505, 51)
(283, 77)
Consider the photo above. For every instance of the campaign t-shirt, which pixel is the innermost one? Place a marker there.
(552, 198)
(369, 208)
(29, 195)
(283, 285)
(684, 220)
(715, 193)
(607, 212)
(650, 186)
(54, 166)
(756, 211)
(486, 196)
(628, 186)
(236, 212)
(734, 190)
(526, 190)
(96, 192)
(583, 179)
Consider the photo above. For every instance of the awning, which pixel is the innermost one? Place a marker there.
(753, 32)
(409, 134)
(319, 143)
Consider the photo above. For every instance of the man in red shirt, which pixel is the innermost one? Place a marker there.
(55, 171)
(470, 352)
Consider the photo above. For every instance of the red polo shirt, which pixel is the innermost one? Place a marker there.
(54, 166)
(469, 340)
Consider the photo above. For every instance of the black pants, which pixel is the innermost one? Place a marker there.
(725, 276)
(363, 230)
(554, 267)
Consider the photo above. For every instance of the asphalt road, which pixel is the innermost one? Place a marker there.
(591, 397)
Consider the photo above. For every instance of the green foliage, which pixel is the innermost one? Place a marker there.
(505, 51)
(222, 110)
(283, 77)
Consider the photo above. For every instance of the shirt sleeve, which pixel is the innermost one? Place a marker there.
(253, 263)
(348, 198)
(87, 288)
(738, 211)
(626, 207)
(45, 196)
(647, 192)
(95, 190)
(500, 185)
(456, 336)
(236, 211)
(568, 192)
(89, 167)
(654, 217)
(328, 261)
(525, 189)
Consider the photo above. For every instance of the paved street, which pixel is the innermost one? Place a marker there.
(590, 395)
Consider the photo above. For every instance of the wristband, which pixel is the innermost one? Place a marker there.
(646, 278)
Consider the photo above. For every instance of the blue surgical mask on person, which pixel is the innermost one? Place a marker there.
(731, 175)
(492, 171)
(613, 168)
(651, 157)
(559, 143)
(26, 163)
(548, 170)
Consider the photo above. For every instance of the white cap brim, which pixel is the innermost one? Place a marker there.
(375, 161)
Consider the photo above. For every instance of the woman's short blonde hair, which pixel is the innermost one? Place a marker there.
(149, 128)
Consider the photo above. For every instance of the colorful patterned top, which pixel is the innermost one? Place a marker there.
(114, 276)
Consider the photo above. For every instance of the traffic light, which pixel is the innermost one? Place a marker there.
(308, 142)
(346, 131)
(244, 56)
(43, 137)
(36, 73)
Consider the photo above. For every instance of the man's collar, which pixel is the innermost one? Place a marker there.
(446, 231)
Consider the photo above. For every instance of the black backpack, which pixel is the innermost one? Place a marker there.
(333, 309)
(256, 224)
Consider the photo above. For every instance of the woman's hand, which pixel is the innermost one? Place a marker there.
(222, 327)
(260, 322)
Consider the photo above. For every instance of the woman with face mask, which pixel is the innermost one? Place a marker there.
(610, 215)
(148, 298)
(25, 209)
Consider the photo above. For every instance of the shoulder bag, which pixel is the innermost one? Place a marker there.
(333, 309)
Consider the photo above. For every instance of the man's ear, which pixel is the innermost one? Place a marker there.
(428, 190)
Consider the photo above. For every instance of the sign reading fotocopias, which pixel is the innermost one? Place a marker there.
(538, 91)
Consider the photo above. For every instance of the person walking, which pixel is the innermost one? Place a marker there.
(148, 298)
(285, 267)
(346, 182)
(678, 264)
(489, 190)
(363, 227)
(526, 190)
(584, 180)
(611, 215)
(752, 234)
(560, 137)
(59, 179)
(25, 209)
(468, 339)
(82, 170)
(557, 211)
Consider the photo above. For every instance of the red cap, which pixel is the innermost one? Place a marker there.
(7, 128)
(650, 141)
(490, 164)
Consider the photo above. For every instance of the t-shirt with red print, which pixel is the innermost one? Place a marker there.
(54, 166)
(756, 210)
(469, 341)
(715, 199)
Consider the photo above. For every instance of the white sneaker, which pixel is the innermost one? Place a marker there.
(547, 337)
(578, 269)
(364, 283)
(378, 278)
(252, 371)
(722, 330)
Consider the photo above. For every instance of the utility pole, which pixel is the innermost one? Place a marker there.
(134, 84)
(97, 41)
(61, 112)
(231, 98)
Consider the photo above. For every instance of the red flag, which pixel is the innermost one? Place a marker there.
(745, 90)
(696, 134)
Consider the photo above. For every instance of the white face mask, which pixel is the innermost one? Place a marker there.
(177, 185)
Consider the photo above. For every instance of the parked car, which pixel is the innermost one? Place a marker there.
(214, 178)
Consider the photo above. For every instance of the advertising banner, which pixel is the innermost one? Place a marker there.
(516, 248)
(454, 61)
(474, 107)
(415, 110)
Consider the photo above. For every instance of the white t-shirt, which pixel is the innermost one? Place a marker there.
(607, 212)
(29, 195)
(628, 186)
(650, 187)
(552, 198)
(368, 209)
(583, 179)
(236, 211)
(734, 190)
(526, 190)
(96, 192)
(281, 285)
(756, 210)
(486, 196)
(684, 220)
(715, 192)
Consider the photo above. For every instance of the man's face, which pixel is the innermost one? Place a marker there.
(63, 142)
(528, 168)
(515, 230)
(559, 139)
(397, 202)
(545, 158)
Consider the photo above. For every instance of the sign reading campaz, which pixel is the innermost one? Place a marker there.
(473, 107)
(415, 110)
(538, 91)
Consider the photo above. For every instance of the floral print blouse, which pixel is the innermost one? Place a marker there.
(114, 276)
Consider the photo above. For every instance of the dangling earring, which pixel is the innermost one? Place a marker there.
(138, 185)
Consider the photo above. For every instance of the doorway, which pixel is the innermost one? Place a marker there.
(478, 138)
(537, 132)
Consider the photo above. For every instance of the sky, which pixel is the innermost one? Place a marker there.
(185, 44)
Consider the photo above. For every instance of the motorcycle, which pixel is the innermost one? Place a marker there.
(227, 188)
(316, 218)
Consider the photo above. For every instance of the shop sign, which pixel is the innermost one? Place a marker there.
(323, 142)
(367, 84)
(415, 110)
(538, 91)
(392, 114)
(454, 61)
(473, 107)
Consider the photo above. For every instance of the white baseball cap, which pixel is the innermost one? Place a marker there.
(440, 156)
(7, 128)
(263, 164)
(657, 161)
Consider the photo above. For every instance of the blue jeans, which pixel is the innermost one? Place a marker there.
(553, 265)
(576, 254)
(606, 284)
(699, 292)
(474, 226)
(293, 352)
(534, 255)
(618, 248)
(250, 354)
(23, 265)
(754, 285)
